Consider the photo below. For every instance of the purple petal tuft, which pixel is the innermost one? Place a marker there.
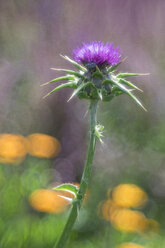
(97, 52)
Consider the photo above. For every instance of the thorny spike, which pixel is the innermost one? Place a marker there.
(67, 77)
(80, 67)
(78, 89)
(129, 93)
(123, 75)
(71, 72)
(67, 85)
(129, 84)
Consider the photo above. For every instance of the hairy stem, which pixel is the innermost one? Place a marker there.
(84, 180)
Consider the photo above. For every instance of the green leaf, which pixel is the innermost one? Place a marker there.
(71, 72)
(78, 66)
(68, 77)
(71, 188)
(62, 86)
(129, 84)
(123, 75)
(127, 91)
(78, 89)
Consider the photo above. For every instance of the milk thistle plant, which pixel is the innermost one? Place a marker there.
(94, 79)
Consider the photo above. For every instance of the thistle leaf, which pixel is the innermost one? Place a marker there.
(68, 187)
(75, 73)
(127, 91)
(78, 89)
(129, 84)
(67, 77)
(123, 75)
(62, 86)
(78, 66)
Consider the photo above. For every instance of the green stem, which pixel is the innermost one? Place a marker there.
(84, 180)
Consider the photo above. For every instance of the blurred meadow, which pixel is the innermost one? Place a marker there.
(43, 142)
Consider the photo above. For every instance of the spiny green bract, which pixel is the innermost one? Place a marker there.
(94, 82)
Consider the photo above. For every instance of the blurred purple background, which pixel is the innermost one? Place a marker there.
(34, 33)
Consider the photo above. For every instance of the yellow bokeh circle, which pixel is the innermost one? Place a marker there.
(108, 208)
(43, 146)
(129, 195)
(127, 220)
(130, 245)
(13, 148)
(45, 200)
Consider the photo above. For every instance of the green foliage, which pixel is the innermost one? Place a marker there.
(23, 227)
(20, 225)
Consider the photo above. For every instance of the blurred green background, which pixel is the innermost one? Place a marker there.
(32, 35)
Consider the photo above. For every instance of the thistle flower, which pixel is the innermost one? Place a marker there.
(95, 78)
(98, 53)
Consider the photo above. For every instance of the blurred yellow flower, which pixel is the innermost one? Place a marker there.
(13, 148)
(43, 146)
(45, 200)
(107, 208)
(130, 245)
(128, 220)
(129, 195)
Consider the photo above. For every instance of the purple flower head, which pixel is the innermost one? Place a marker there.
(98, 53)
